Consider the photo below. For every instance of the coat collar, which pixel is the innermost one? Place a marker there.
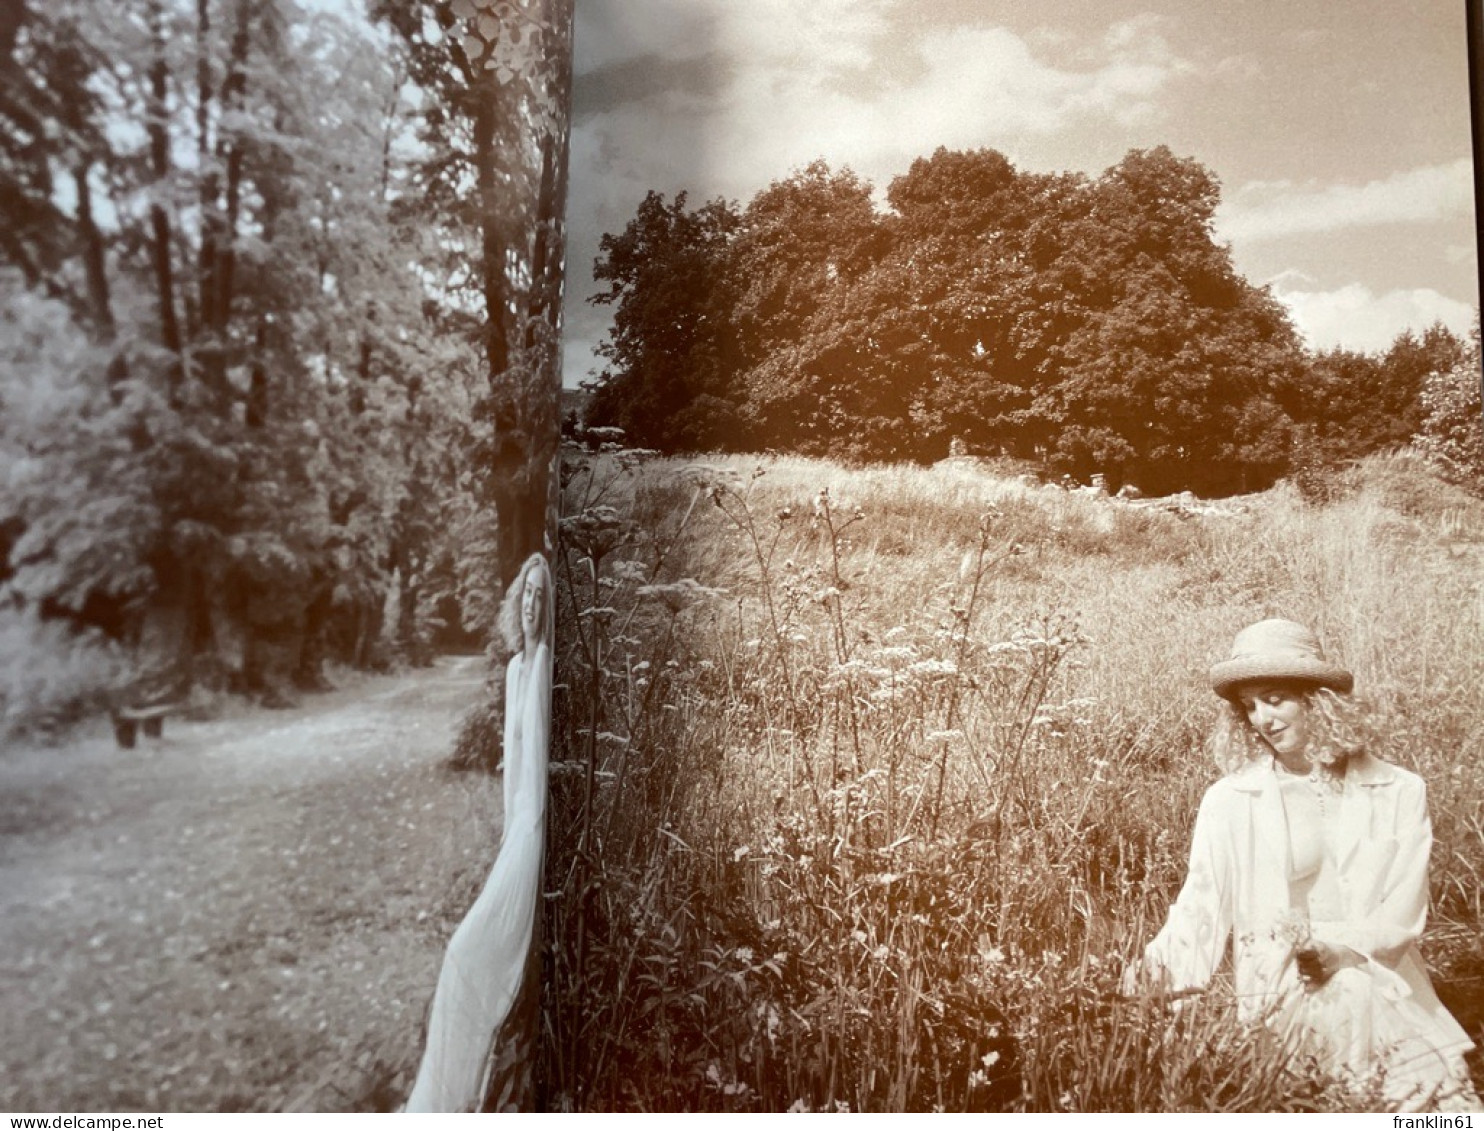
(1364, 769)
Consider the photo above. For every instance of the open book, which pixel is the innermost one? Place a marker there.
(665, 554)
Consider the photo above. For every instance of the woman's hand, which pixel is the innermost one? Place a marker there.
(1318, 962)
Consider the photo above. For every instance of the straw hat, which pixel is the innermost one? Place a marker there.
(1278, 651)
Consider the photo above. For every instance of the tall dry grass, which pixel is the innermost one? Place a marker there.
(870, 781)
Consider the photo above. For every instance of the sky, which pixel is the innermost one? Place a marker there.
(1339, 130)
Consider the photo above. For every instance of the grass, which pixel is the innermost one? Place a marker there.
(871, 780)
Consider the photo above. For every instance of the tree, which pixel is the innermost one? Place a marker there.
(264, 423)
(1171, 349)
(663, 272)
(1096, 325)
(1451, 434)
(496, 83)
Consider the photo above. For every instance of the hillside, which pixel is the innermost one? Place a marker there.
(901, 766)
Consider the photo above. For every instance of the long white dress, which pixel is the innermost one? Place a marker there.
(485, 964)
(1269, 866)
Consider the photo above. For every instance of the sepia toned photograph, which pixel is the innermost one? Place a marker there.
(680, 555)
(280, 297)
(1019, 625)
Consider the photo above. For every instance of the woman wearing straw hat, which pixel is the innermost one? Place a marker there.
(1311, 854)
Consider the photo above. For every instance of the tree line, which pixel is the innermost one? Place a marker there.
(278, 295)
(1086, 325)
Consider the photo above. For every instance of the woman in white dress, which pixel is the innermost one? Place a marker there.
(487, 959)
(1311, 855)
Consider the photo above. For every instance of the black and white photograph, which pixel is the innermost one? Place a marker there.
(1019, 612)
(690, 555)
(280, 298)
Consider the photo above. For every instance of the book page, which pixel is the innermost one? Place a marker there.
(998, 435)
(280, 298)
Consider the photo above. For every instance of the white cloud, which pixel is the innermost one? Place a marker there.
(1353, 317)
(856, 82)
(1274, 210)
(803, 81)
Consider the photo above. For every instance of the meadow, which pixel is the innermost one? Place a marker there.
(869, 781)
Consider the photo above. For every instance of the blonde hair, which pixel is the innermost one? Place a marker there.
(509, 619)
(1340, 727)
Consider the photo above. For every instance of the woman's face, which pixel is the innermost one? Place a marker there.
(1280, 714)
(532, 605)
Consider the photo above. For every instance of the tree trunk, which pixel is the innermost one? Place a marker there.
(309, 670)
(159, 149)
(93, 255)
(491, 217)
(210, 182)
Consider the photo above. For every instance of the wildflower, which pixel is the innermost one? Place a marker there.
(675, 595)
(598, 531)
(931, 668)
(629, 570)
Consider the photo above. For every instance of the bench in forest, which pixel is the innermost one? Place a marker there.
(128, 721)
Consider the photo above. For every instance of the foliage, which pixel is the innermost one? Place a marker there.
(1350, 405)
(1452, 429)
(249, 399)
(661, 273)
(52, 674)
(1091, 325)
(490, 180)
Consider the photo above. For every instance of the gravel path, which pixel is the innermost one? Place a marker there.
(246, 915)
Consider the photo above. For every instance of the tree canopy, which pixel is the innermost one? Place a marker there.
(277, 322)
(1091, 325)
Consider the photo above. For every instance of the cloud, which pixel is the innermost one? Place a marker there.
(1353, 317)
(1275, 210)
(613, 32)
(720, 98)
(730, 96)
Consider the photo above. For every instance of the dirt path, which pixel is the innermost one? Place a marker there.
(247, 915)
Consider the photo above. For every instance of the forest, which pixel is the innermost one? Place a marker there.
(279, 298)
(1079, 325)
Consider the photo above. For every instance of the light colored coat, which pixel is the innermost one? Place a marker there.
(1237, 888)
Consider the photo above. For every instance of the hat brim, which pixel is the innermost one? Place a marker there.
(1228, 675)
